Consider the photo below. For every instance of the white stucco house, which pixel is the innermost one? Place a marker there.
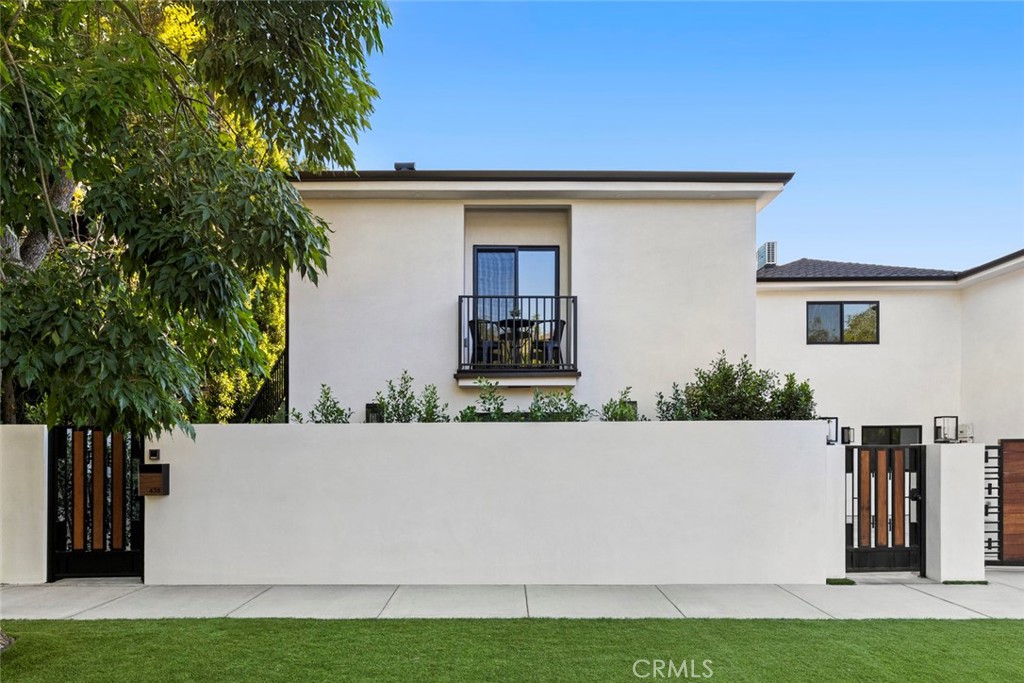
(937, 343)
(622, 278)
(635, 279)
(589, 280)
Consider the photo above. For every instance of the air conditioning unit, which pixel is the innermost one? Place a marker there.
(766, 255)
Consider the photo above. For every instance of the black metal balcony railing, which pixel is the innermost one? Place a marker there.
(517, 334)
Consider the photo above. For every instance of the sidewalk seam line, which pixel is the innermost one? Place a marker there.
(779, 585)
(956, 604)
(1008, 585)
(397, 586)
(105, 602)
(671, 601)
(526, 596)
(248, 601)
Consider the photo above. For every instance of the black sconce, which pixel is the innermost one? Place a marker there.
(847, 435)
(947, 429)
(832, 438)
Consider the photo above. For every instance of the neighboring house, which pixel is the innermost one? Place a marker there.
(895, 347)
(622, 278)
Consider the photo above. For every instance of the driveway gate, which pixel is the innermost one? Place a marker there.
(885, 508)
(95, 518)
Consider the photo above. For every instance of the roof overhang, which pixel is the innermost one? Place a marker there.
(761, 188)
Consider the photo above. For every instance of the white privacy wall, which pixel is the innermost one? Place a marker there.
(909, 377)
(662, 285)
(993, 357)
(23, 503)
(592, 503)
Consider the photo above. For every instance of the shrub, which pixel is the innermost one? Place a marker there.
(793, 401)
(737, 392)
(399, 403)
(559, 406)
(326, 410)
(672, 408)
(430, 407)
(551, 407)
(490, 405)
(621, 409)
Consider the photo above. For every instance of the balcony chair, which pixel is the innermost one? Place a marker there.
(547, 342)
(486, 343)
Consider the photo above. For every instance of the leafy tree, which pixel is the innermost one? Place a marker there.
(145, 192)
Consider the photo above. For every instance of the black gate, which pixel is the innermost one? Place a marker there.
(95, 518)
(885, 508)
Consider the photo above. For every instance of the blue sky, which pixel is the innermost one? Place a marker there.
(904, 122)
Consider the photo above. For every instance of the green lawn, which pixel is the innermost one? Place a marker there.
(514, 650)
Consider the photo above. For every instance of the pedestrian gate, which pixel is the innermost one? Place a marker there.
(95, 518)
(885, 508)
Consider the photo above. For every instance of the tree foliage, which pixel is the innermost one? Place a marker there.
(146, 147)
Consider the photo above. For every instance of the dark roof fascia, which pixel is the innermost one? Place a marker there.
(991, 264)
(886, 278)
(549, 176)
(955, 277)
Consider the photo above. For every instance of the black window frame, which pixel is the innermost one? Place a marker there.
(516, 248)
(890, 429)
(842, 317)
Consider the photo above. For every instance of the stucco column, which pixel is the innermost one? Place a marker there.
(955, 512)
(23, 504)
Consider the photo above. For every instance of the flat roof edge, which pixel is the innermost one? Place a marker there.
(540, 176)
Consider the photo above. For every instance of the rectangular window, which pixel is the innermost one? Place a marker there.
(842, 322)
(890, 435)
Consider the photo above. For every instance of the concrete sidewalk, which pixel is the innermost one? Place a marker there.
(876, 596)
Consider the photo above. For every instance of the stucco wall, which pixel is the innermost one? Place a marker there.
(595, 503)
(23, 504)
(954, 512)
(662, 285)
(909, 377)
(993, 357)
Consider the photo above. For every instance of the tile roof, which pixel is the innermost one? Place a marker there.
(813, 269)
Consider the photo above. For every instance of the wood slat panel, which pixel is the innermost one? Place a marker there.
(898, 494)
(882, 498)
(117, 510)
(98, 481)
(864, 498)
(1013, 501)
(78, 490)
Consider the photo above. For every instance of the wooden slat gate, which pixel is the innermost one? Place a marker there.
(95, 518)
(885, 508)
(1010, 502)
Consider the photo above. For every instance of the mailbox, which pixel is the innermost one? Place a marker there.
(154, 480)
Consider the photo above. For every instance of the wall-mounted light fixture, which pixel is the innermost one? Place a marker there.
(832, 437)
(947, 429)
(847, 435)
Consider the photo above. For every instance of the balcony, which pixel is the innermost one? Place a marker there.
(517, 337)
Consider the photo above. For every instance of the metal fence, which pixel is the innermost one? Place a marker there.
(517, 334)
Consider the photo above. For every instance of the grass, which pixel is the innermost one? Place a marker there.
(509, 650)
(840, 582)
(966, 583)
